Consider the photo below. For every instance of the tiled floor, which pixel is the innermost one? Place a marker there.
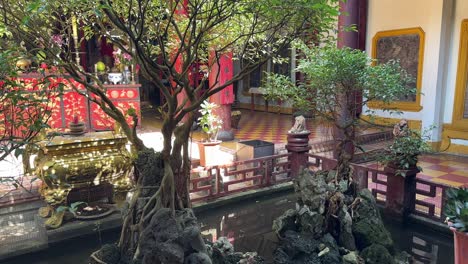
(441, 167)
(447, 169)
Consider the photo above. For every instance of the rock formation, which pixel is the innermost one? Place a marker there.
(331, 224)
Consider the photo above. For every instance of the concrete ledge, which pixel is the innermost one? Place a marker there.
(431, 224)
(75, 228)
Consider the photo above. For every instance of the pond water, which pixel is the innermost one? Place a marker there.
(248, 226)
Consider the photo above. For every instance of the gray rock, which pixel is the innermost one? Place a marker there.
(169, 239)
(224, 246)
(287, 221)
(377, 254)
(403, 258)
(352, 258)
(311, 222)
(343, 251)
(297, 248)
(170, 253)
(333, 256)
(109, 253)
(313, 190)
(198, 258)
(368, 227)
(330, 242)
(346, 238)
(322, 246)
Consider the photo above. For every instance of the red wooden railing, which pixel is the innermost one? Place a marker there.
(430, 200)
(222, 180)
(429, 196)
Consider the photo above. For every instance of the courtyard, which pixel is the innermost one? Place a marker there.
(218, 132)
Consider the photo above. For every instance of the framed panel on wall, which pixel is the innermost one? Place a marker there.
(460, 106)
(406, 46)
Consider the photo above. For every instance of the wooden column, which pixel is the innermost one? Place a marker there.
(221, 71)
(353, 12)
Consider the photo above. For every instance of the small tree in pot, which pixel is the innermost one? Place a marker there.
(402, 154)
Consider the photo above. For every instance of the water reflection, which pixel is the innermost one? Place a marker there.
(248, 224)
(248, 227)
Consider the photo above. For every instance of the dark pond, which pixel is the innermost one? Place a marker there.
(248, 226)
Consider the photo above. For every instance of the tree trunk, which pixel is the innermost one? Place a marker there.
(172, 193)
(344, 134)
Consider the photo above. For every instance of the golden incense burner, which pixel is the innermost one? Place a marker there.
(65, 164)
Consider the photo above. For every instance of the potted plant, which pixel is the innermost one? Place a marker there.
(402, 155)
(456, 210)
(210, 123)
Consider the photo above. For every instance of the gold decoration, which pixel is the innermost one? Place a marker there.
(55, 221)
(67, 163)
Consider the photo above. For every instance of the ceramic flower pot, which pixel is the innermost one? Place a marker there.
(460, 240)
(208, 151)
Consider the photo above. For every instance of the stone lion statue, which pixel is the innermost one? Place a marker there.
(401, 128)
(299, 125)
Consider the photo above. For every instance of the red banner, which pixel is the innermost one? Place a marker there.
(222, 71)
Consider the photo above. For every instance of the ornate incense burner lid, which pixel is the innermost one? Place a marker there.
(91, 139)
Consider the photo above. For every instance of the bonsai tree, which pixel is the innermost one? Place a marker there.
(407, 145)
(332, 79)
(166, 38)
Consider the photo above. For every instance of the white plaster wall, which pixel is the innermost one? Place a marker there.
(399, 14)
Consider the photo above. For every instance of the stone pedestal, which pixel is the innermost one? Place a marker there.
(401, 192)
(298, 146)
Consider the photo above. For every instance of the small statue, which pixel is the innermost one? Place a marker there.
(401, 129)
(299, 126)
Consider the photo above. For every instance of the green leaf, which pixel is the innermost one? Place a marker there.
(61, 209)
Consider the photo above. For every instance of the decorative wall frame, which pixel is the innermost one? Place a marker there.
(407, 46)
(460, 105)
(458, 129)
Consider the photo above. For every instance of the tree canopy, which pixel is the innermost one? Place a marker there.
(334, 78)
(165, 38)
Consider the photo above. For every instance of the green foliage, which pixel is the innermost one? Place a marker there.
(456, 208)
(165, 38)
(333, 78)
(72, 208)
(331, 72)
(209, 121)
(404, 151)
(25, 106)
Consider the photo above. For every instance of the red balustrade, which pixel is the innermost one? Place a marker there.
(240, 176)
